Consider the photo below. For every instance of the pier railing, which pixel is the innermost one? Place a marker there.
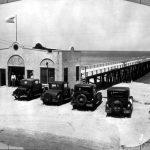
(89, 70)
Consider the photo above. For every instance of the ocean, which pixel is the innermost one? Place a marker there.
(95, 57)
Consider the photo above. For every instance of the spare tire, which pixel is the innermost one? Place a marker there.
(117, 106)
(47, 98)
(81, 100)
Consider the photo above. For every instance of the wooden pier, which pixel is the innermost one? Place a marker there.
(105, 75)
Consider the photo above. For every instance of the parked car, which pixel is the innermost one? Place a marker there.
(58, 92)
(28, 88)
(86, 95)
(119, 101)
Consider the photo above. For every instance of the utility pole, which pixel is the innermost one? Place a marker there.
(47, 71)
(16, 28)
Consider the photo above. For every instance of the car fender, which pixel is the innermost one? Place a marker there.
(131, 100)
(99, 96)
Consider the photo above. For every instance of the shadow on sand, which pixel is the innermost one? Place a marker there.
(30, 140)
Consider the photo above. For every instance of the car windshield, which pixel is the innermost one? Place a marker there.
(118, 94)
(26, 83)
(85, 89)
(55, 86)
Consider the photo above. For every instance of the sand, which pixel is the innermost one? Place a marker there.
(32, 125)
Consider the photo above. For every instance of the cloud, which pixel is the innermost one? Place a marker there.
(84, 24)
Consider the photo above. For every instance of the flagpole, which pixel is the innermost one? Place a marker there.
(16, 28)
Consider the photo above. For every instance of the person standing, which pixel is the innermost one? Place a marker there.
(13, 79)
(31, 76)
(19, 77)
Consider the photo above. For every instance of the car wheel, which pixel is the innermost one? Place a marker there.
(108, 114)
(93, 105)
(128, 115)
(47, 98)
(17, 97)
(60, 100)
(30, 96)
(74, 107)
(81, 100)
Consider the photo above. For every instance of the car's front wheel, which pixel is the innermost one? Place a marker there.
(17, 97)
(74, 107)
(47, 98)
(30, 95)
(60, 99)
(128, 115)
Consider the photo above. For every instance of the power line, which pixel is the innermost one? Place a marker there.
(6, 41)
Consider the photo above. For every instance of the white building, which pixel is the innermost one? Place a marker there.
(45, 65)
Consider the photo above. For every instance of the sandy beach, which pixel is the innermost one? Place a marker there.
(32, 125)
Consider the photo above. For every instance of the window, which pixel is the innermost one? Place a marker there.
(65, 85)
(29, 73)
(47, 75)
(36, 82)
(53, 85)
(77, 73)
(66, 74)
(25, 82)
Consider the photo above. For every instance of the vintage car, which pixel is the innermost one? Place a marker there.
(28, 88)
(119, 101)
(85, 95)
(58, 92)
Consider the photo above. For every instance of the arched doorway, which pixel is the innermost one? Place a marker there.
(16, 66)
(47, 72)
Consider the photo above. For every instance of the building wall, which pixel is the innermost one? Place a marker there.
(71, 59)
(32, 59)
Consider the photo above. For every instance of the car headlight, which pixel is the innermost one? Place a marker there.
(58, 96)
(107, 105)
(129, 105)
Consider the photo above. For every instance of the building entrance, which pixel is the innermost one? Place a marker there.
(2, 77)
(18, 71)
(47, 72)
(16, 66)
(47, 75)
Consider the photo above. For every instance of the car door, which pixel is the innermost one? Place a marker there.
(36, 86)
(66, 91)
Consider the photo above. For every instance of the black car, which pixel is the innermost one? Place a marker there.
(85, 95)
(119, 101)
(28, 88)
(58, 92)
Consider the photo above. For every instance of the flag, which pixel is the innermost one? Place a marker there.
(11, 20)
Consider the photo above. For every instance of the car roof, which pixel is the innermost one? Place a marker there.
(29, 79)
(58, 82)
(118, 89)
(85, 85)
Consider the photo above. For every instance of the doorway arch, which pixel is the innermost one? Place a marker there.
(16, 65)
(46, 62)
(47, 70)
(16, 60)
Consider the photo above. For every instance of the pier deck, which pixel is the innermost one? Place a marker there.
(107, 74)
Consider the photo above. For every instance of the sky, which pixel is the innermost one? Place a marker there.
(144, 2)
(83, 24)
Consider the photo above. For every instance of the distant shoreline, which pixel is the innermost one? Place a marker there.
(95, 57)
